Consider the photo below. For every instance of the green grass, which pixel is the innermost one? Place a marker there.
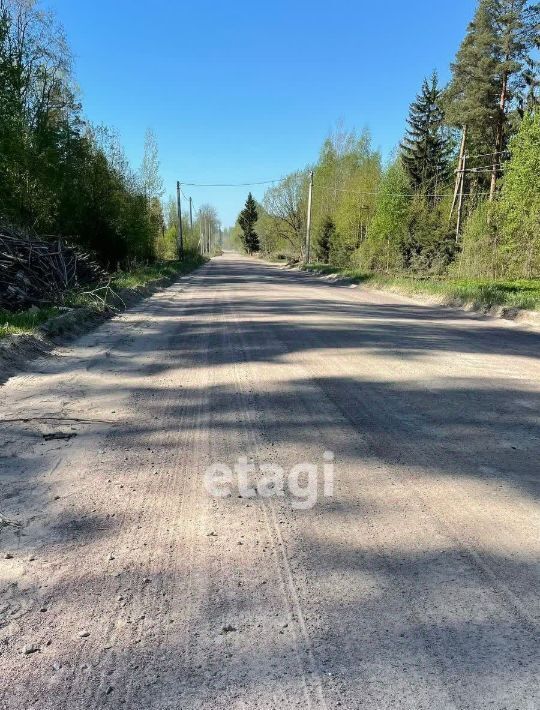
(142, 275)
(24, 321)
(482, 293)
(28, 321)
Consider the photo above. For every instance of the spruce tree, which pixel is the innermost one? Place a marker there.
(425, 148)
(324, 242)
(247, 219)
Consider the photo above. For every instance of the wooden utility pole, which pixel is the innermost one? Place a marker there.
(204, 235)
(190, 214)
(180, 233)
(308, 228)
(459, 173)
(497, 156)
(460, 201)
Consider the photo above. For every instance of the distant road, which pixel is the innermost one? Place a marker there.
(414, 586)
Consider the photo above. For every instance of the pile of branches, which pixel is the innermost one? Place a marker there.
(39, 272)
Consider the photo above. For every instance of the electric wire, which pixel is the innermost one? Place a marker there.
(236, 184)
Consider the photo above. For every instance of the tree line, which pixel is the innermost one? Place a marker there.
(461, 194)
(61, 175)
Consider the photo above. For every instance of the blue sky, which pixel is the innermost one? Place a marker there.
(245, 91)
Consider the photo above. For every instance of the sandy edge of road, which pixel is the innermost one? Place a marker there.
(527, 319)
(17, 351)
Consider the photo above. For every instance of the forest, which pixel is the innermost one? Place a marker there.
(460, 196)
(59, 174)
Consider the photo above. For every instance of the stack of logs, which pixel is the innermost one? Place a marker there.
(41, 272)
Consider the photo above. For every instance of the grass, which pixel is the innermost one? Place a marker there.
(28, 321)
(482, 293)
(25, 321)
(142, 275)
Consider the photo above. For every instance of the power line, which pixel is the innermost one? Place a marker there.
(483, 169)
(402, 194)
(237, 184)
(485, 155)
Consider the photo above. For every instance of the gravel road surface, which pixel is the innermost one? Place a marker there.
(124, 583)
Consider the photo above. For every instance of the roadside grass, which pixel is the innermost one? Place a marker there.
(27, 321)
(481, 293)
(142, 275)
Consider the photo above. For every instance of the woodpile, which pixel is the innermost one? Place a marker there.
(41, 272)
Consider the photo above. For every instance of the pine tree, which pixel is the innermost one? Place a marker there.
(489, 78)
(425, 148)
(247, 219)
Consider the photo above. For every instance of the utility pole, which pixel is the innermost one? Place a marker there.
(203, 235)
(180, 233)
(308, 228)
(460, 201)
(459, 174)
(190, 214)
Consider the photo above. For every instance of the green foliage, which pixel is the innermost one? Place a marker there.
(472, 96)
(480, 255)
(143, 275)
(246, 220)
(58, 174)
(519, 206)
(426, 146)
(387, 237)
(481, 293)
(503, 238)
(346, 181)
(326, 236)
(491, 74)
(398, 220)
(24, 321)
(430, 246)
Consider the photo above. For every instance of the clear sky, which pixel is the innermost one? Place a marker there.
(244, 91)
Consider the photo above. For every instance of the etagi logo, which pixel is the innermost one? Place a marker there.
(302, 483)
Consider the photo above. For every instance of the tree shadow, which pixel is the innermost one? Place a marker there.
(389, 623)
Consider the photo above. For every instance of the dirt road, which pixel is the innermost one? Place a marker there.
(414, 586)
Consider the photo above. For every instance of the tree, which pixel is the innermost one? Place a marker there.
(347, 177)
(490, 76)
(384, 247)
(425, 148)
(150, 176)
(519, 206)
(430, 245)
(207, 226)
(58, 174)
(247, 219)
(286, 204)
(327, 232)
